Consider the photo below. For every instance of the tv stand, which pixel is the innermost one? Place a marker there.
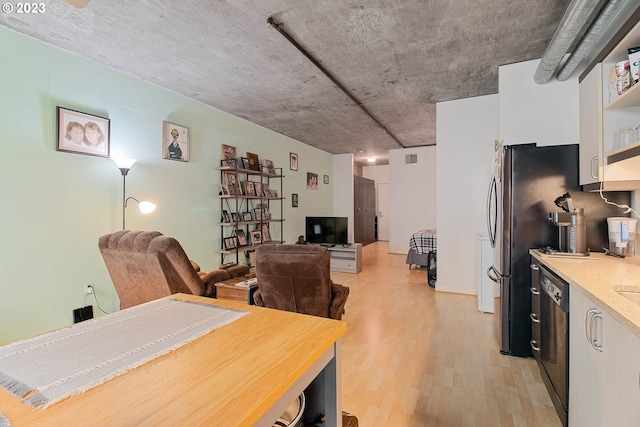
(346, 258)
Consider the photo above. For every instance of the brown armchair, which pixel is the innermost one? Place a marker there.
(146, 265)
(297, 278)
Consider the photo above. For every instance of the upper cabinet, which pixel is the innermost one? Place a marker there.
(602, 162)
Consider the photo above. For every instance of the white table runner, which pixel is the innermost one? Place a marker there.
(51, 367)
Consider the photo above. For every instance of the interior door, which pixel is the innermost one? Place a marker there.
(383, 209)
(364, 210)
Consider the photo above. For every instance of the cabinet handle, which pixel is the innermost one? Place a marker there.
(535, 267)
(534, 291)
(533, 345)
(534, 318)
(594, 341)
(593, 174)
(587, 319)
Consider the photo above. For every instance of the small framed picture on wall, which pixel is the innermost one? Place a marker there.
(293, 161)
(82, 133)
(175, 142)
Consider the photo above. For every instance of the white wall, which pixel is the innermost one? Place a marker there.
(412, 189)
(464, 156)
(546, 114)
(343, 202)
(378, 173)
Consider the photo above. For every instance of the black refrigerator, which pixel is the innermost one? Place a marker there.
(526, 181)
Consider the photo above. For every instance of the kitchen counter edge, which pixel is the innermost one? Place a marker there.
(599, 277)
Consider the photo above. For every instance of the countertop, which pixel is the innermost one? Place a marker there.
(598, 277)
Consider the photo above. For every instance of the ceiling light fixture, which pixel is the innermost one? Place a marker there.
(371, 160)
(272, 23)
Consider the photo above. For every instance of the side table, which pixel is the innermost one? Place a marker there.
(227, 289)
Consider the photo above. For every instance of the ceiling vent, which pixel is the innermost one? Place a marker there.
(411, 158)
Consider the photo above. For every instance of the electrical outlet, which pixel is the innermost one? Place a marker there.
(88, 288)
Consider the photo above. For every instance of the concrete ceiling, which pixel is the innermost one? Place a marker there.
(398, 57)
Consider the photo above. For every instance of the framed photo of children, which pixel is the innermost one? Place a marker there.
(175, 142)
(82, 133)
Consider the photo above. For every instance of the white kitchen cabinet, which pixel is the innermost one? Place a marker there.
(591, 158)
(603, 385)
(599, 119)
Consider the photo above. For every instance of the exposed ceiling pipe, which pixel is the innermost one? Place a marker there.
(572, 23)
(272, 23)
(610, 10)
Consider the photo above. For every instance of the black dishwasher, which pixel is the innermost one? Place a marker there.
(550, 334)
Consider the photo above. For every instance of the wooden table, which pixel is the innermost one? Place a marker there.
(246, 373)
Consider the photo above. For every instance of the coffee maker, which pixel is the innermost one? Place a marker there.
(572, 227)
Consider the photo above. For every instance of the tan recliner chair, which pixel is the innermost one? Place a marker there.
(147, 265)
(297, 278)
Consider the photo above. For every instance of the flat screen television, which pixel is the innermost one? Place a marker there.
(327, 230)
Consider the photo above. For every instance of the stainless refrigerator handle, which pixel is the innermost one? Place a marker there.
(492, 276)
(491, 228)
(593, 174)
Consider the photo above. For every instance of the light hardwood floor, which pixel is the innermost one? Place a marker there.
(416, 357)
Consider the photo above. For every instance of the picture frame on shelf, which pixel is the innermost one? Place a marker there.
(224, 190)
(254, 161)
(294, 200)
(256, 237)
(293, 161)
(266, 214)
(231, 179)
(259, 214)
(225, 216)
(235, 217)
(266, 190)
(270, 166)
(230, 243)
(242, 238)
(175, 142)
(244, 161)
(258, 188)
(229, 156)
(266, 236)
(83, 133)
(249, 188)
(246, 216)
(265, 170)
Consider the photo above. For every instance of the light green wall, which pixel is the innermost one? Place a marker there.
(55, 205)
